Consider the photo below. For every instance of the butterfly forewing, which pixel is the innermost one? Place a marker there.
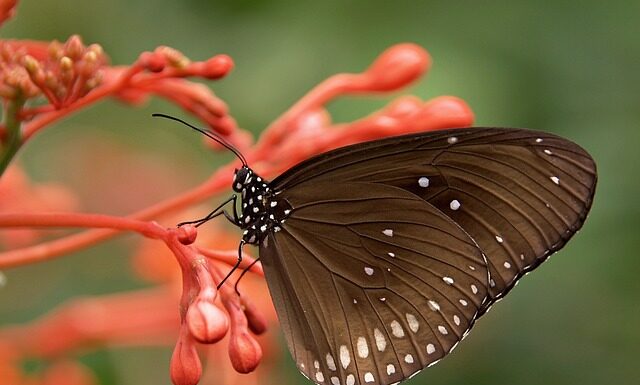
(519, 194)
(371, 282)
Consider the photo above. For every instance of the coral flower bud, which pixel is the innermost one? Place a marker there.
(186, 368)
(74, 47)
(217, 67)
(207, 323)
(397, 67)
(244, 352)
(153, 62)
(187, 234)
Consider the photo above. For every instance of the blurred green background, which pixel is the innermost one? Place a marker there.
(572, 68)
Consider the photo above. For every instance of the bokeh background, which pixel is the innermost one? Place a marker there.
(572, 68)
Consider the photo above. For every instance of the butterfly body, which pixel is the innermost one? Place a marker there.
(381, 256)
(260, 214)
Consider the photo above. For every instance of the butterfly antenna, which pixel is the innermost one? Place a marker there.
(209, 135)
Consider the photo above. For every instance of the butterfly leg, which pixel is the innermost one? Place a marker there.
(234, 266)
(243, 273)
(216, 212)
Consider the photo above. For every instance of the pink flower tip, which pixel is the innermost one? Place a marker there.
(187, 234)
(397, 67)
(244, 352)
(218, 66)
(207, 323)
(153, 62)
(185, 368)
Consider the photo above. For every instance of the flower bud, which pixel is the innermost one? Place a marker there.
(74, 47)
(187, 234)
(244, 352)
(217, 67)
(207, 323)
(397, 67)
(185, 368)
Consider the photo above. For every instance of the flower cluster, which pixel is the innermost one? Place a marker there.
(41, 83)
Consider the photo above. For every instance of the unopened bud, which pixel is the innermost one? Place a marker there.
(185, 368)
(397, 67)
(244, 352)
(207, 323)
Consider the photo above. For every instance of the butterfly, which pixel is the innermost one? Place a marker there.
(381, 256)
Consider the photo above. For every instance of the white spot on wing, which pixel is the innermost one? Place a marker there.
(391, 369)
(452, 140)
(431, 349)
(413, 322)
(381, 343)
(548, 152)
(368, 377)
(368, 270)
(392, 255)
(474, 289)
(408, 359)
(363, 348)
(462, 302)
(351, 380)
(507, 265)
(345, 359)
(396, 329)
(331, 364)
(320, 377)
(539, 140)
(448, 280)
(555, 180)
(499, 239)
(423, 182)
(335, 381)
(443, 330)
(456, 320)
(274, 204)
(433, 305)
(454, 205)
(388, 232)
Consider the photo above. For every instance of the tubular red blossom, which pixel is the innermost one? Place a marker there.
(185, 368)
(7, 10)
(395, 68)
(206, 322)
(187, 234)
(245, 352)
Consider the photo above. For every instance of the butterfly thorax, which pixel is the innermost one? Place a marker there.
(261, 211)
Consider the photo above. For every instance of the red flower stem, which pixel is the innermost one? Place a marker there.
(230, 257)
(49, 250)
(149, 229)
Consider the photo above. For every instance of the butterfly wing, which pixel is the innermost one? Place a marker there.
(519, 194)
(371, 283)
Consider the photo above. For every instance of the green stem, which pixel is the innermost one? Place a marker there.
(14, 137)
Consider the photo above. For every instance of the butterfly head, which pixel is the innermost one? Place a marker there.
(242, 178)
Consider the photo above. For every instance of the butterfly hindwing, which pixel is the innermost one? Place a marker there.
(371, 283)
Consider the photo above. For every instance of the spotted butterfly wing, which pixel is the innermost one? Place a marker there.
(380, 256)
